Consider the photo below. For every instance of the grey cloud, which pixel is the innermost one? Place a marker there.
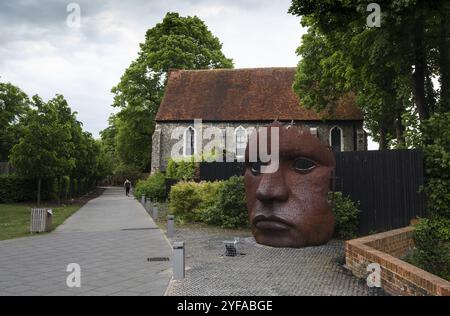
(34, 20)
(45, 12)
(39, 53)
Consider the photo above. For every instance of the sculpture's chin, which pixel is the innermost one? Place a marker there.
(291, 238)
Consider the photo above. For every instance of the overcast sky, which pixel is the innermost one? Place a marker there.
(41, 54)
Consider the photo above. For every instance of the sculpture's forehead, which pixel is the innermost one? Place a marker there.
(295, 142)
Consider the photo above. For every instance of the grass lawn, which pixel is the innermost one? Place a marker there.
(15, 218)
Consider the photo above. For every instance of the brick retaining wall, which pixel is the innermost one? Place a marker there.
(397, 277)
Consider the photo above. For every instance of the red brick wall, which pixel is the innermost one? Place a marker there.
(397, 277)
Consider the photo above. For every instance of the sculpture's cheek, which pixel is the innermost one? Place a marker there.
(306, 208)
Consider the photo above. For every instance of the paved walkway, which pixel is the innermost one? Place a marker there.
(262, 270)
(111, 237)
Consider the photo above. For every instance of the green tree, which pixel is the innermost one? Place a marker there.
(67, 117)
(389, 68)
(45, 147)
(105, 161)
(14, 105)
(177, 42)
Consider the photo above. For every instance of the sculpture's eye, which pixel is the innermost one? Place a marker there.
(304, 165)
(255, 167)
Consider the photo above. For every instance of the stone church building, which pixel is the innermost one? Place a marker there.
(242, 99)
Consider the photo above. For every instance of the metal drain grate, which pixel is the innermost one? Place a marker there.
(231, 247)
(158, 259)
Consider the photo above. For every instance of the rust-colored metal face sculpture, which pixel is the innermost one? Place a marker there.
(289, 208)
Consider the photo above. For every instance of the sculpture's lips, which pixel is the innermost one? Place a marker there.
(271, 223)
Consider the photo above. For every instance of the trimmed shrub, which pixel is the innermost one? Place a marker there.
(432, 246)
(171, 170)
(18, 189)
(189, 200)
(182, 170)
(153, 187)
(229, 209)
(345, 215)
(14, 189)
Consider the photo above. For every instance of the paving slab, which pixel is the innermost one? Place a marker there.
(111, 238)
(261, 270)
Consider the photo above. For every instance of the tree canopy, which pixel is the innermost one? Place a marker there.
(175, 43)
(14, 105)
(390, 68)
(51, 142)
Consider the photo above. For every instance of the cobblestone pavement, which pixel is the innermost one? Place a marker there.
(111, 238)
(262, 270)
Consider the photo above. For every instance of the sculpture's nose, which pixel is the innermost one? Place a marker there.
(272, 188)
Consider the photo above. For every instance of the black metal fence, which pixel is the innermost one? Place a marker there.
(213, 171)
(386, 184)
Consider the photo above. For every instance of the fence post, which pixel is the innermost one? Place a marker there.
(170, 226)
(178, 260)
(143, 199)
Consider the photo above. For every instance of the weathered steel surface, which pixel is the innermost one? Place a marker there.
(289, 208)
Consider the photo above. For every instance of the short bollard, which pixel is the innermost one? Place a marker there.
(170, 226)
(178, 260)
(148, 206)
(143, 199)
(155, 212)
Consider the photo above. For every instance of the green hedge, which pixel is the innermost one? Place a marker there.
(220, 203)
(182, 170)
(153, 187)
(223, 204)
(436, 133)
(17, 189)
(432, 246)
(189, 200)
(229, 210)
(432, 236)
(345, 215)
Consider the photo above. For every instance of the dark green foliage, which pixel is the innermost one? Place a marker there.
(17, 189)
(54, 145)
(45, 148)
(229, 209)
(345, 215)
(48, 143)
(14, 105)
(432, 236)
(177, 42)
(341, 54)
(220, 203)
(153, 188)
(189, 200)
(182, 170)
(436, 132)
(432, 246)
(171, 170)
(390, 69)
(129, 172)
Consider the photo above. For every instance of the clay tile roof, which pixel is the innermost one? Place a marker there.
(260, 94)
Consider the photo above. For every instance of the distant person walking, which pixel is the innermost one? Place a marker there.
(127, 185)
